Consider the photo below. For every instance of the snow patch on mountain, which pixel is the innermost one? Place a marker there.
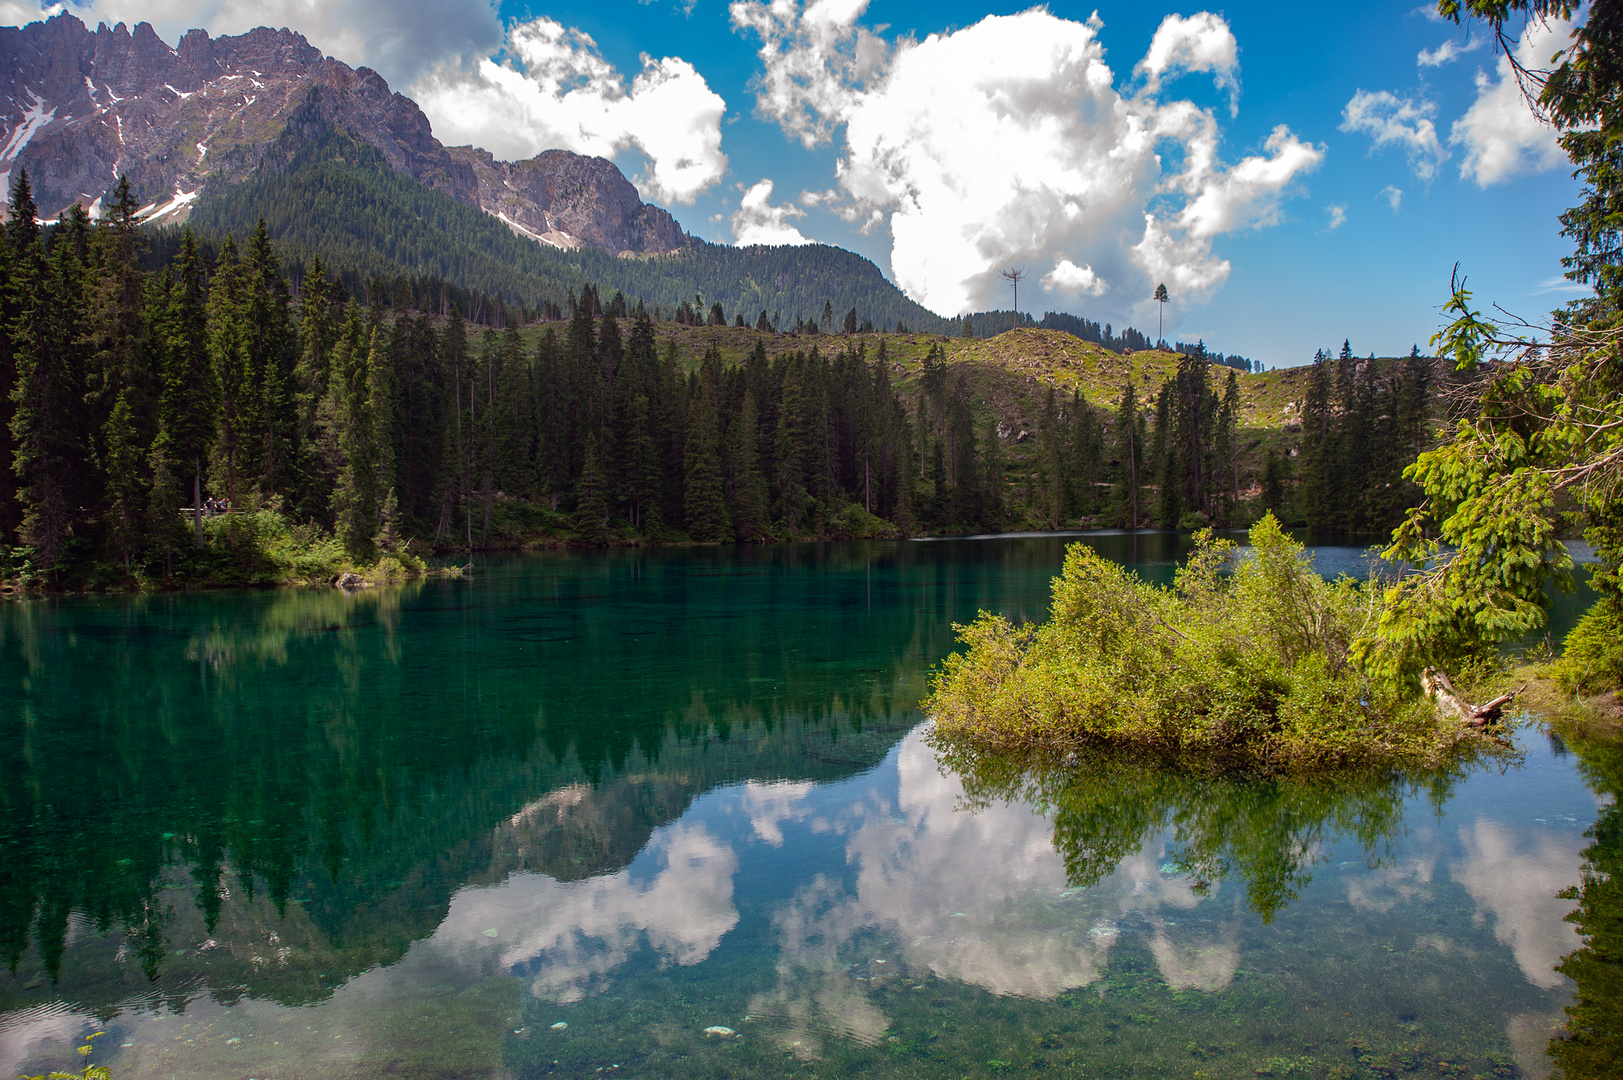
(35, 118)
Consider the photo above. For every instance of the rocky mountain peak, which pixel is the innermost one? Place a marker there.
(79, 108)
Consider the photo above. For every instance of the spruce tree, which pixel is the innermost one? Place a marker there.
(272, 356)
(360, 390)
(189, 388)
(994, 509)
(704, 509)
(1130, 455)
(1315, 493)
(591, 505)
(749, 501)
(1086, 452)
(232, 461)
(1228, 449)
(121, 377)
(48, 421)
(793, 449)
(1050, 482)
(1168, 497)
(1194, 414)
(1273, 485)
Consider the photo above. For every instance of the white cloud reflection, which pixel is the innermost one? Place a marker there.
(570, 936)
(980, 898)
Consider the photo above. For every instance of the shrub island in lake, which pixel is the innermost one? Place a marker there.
(1244, 663)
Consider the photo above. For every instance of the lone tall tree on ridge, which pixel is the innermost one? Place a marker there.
(1161, 298)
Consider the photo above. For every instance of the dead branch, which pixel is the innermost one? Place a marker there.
(1450, 705)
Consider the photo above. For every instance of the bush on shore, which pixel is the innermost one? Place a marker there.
(1243, 662)
(254, 548)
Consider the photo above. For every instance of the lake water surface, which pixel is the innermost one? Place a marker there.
(562, 818)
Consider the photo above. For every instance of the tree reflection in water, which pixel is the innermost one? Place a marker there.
(1591, 1046)
(1264, 833)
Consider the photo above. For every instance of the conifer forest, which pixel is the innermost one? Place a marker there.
(140, 402)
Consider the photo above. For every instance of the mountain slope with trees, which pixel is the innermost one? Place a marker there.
(375, 430)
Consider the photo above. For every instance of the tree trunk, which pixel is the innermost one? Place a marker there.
(197, 498)
(1450, 705)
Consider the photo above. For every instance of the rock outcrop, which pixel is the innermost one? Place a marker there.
(568, 201)
(80, 107)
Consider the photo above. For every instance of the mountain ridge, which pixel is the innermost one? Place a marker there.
(83, 107)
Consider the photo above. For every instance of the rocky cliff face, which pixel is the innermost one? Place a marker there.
(569, 201)
(78, 108)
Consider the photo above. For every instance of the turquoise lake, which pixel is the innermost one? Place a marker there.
(673, 813)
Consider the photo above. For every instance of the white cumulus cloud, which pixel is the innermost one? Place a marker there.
(554, 90)
(1008, 143)
(1067, 277)
(13, 13)
(1393, 197)
(399, 39)
(1390, 120)
(1445, 53)
(1336, 216)
(1501, 135)
(759, 222)
(1202, 42)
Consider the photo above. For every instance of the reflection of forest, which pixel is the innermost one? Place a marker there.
(1591, 1047)
(333, 768)
(1265, 834)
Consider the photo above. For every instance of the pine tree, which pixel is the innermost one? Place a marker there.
(232, 462)
(271, 359)
(189, 389)
(48, 422)
(749, 489)
(1130, 453)
(1168, 499)
(457, 441)
(704, 509)
(1315, 493)
(359, 390)
(1194, 409)
(1273, 485)
(994, 509)
(1086, 450)
(320, 308)
(591, 506)
(793, 449)
(1228, 450)
(121, 377)
(1050, 483)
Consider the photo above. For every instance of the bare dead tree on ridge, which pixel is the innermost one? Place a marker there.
(1013, 277)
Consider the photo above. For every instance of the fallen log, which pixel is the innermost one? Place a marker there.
(1440, 689)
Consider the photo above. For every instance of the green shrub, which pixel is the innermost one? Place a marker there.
(1592, 655)
(1243, 662)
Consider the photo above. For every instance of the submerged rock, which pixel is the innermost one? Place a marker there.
(560, 1026)
(718, 1030)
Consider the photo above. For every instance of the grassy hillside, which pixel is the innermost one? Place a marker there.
(1009, 376)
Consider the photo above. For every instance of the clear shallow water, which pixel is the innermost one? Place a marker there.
(642, 794)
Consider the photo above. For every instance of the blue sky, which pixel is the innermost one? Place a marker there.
(947, 141)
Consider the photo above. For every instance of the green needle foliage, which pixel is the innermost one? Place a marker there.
(1244, 669)
(1542, 448)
